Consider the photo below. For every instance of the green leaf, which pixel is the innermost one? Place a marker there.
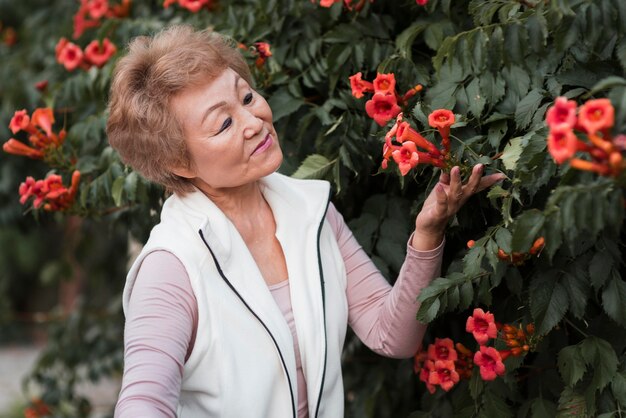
(526, 230)
(117, 189)
(618, 386)
(477, 100)
(283, 103)
(576, 283)
(571, 404)
(315, 166)
(571, 364)
(600, 269)
(473, 260)
(599, 354)
(404, 41)
(495, 406)
(466, 295)
(512, 152)
(548, 301)
(543, 408)
(527, 107)
(607, 83)
(613, 299)
(428, 310)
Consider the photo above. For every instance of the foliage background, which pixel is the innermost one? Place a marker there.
(497, 63)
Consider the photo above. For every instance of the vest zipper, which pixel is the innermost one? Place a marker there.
(319, 263)
(280, 354)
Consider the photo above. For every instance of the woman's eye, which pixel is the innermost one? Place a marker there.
(248, 98)
(225, 125)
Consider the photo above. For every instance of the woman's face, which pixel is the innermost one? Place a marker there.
(228, 132)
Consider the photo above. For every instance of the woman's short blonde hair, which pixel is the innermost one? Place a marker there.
(141, 125)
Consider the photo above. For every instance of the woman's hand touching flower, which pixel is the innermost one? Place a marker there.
(444, 201)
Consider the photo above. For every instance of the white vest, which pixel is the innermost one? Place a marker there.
(243, 362)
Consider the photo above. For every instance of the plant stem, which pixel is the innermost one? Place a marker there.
(576, 328)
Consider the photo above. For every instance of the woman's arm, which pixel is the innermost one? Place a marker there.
(158, 335)
(384, 317)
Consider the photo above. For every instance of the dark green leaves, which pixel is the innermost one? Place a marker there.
(548, 301)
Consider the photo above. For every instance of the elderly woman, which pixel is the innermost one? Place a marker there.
(239, 302)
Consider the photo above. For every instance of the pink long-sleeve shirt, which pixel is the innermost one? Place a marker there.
(162, 317)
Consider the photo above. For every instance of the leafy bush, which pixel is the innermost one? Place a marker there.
(498, 65)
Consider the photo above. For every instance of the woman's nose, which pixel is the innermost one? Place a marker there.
(252, 124)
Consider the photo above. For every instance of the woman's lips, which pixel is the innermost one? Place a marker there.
(263, 145)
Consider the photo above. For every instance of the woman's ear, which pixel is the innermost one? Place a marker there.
(184, 170)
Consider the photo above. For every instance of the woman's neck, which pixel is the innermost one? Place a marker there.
(245, 206)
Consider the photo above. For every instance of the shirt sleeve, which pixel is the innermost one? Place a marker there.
(159, 331)
(382, 316)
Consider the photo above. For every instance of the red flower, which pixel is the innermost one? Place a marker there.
(382, 108)
(81, 22)
(563, 111)
(193, 5)
(10, 36)
(562, 143)
(41, 85)
(422, 2)
(443, 349)
(406, 157)
(43, 118)
(328, 3)
(444, 374)
(16, 147)
(50, 192)
(428, 366)
(263, 48)
(97, 54)
(490, 362)
(69, 54)
(481, 324)
(119, 10)
(385, 83)
(360, 86)
(19, 121)
(464, 365)
(406, 133)
(596, 115)
(263, 51)
(441, 119)
(97, 8)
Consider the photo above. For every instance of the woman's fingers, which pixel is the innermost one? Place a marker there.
(455, 192)
(490, 180)
(474, 181)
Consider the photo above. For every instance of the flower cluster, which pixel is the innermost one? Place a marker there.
(193, 6)
(71, 56)
(37, 409)
(595, 119)
(91, 12)
(263, 52)
(519, 340)
(443, 364)
(50, 193)
(385, 102)
(407, 141)
(39, 130)
(517, 258)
